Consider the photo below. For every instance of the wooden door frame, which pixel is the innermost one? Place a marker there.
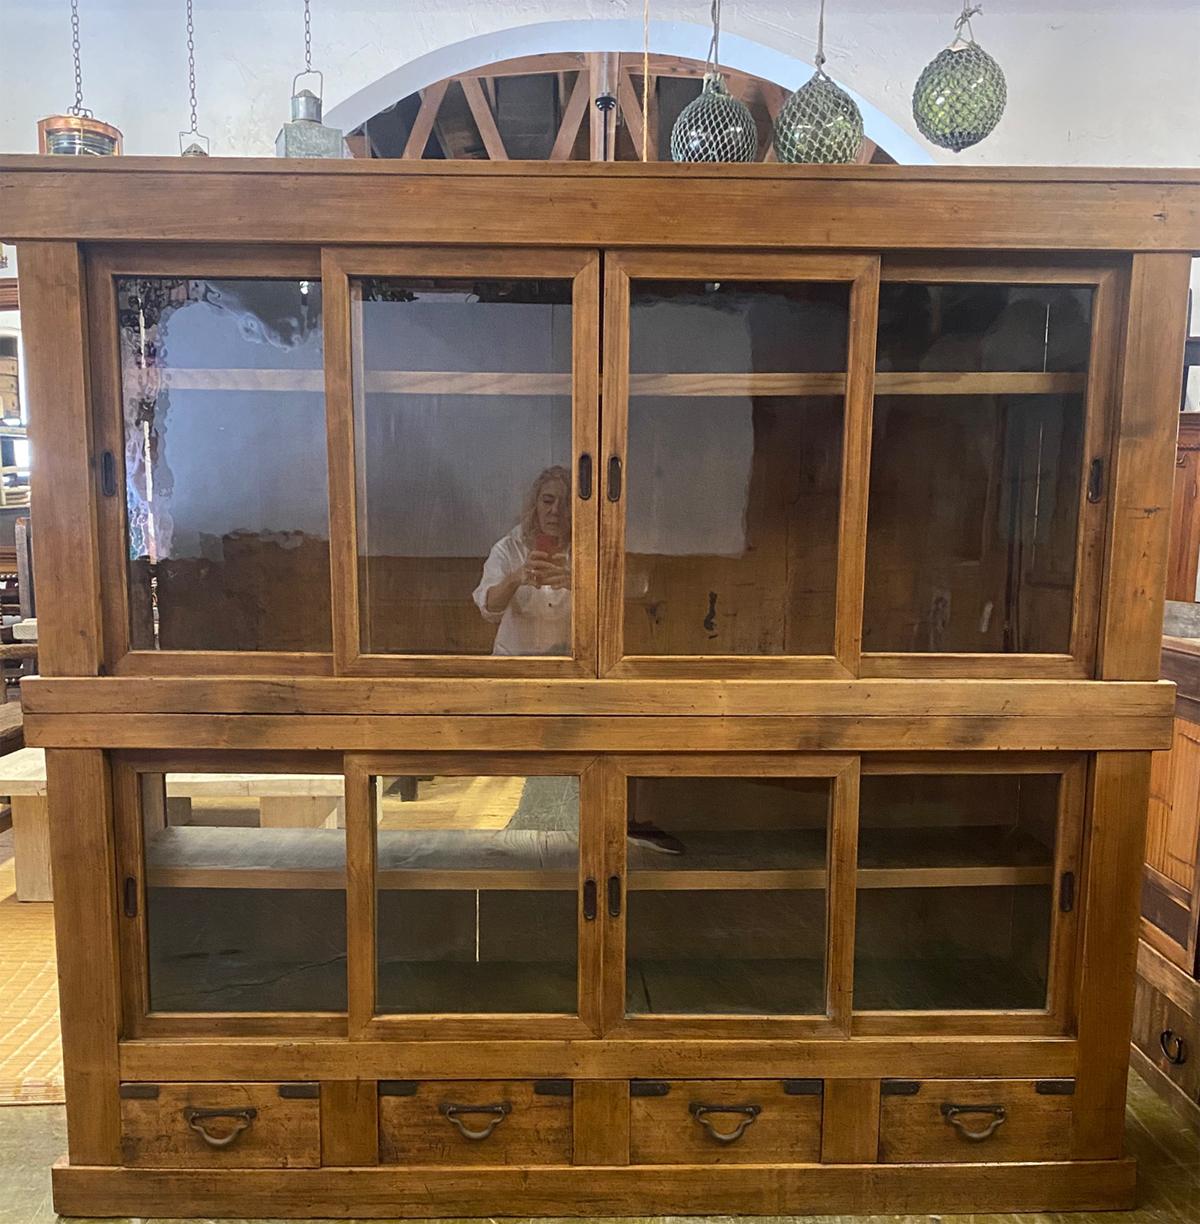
(367, 1023)
(842, 770)
(1108, 282)
(1058, 1018)
(339, 266)
(861, 272)
(137, 1020)
(104, 264)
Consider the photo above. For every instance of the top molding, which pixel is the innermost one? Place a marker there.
(630, 205)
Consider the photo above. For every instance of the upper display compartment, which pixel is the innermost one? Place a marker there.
(385, 461)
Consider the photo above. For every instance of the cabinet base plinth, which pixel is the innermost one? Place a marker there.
(380, 1192)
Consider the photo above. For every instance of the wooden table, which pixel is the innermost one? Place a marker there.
(284, 801)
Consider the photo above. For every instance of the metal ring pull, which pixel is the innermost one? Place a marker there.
(954, 1114)
(747, 1113)
(497, 1112)
(195, 1118)
(1174, 1047)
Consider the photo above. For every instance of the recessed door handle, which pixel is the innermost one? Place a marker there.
(614, 478)
(614, 896)
(585, 476)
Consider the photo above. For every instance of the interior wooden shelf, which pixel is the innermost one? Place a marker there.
(534, 860)
(448, 382)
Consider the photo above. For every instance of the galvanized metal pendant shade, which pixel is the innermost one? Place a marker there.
(820, 124)
(961, 95)
(715, 127)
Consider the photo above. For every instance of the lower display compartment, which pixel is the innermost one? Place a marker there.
(391, 1192)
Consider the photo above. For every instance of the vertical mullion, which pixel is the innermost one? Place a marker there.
(585, 315)
(1103, 366)
(615, 785)
(614, 429)
(339, 421)
(842, 897)
(592, 816)
(108, 432)
(131, 863)
(1061, 977)
(856, 468)
(361, 959)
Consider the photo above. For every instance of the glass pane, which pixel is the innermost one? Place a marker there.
(464, 457)
(225, 464)
(245, 891)
(726, 895)
(734, 467)
(972, 523)
(955, 891)
(478, 881)
(976, 327)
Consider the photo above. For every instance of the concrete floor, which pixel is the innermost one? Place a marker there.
(32, 1137)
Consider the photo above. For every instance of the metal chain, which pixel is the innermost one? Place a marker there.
(78, 108)
(307, 37)
(191, 49)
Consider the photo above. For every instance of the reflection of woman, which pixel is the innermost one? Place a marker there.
(526, 583)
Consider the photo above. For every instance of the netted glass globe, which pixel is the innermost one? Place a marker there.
(819, 124)
(960, 96)
(715, 127)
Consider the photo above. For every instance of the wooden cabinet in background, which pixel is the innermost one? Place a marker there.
(705, 623)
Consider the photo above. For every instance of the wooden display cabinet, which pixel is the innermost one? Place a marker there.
(707, 620)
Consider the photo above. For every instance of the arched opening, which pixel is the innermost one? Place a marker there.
(442, 104)
(548, 108)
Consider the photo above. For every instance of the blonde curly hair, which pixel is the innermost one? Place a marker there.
(529, 517)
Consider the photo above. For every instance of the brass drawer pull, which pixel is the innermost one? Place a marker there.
(954, 1115)
(497, 1113)
(1174, 1047)
(195, 1118)
(747, 1113)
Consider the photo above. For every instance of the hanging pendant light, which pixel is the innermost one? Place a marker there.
(961, 95)
(305, 135)
(820, 123)
(715, 127)
(77, 132)
(197, 145)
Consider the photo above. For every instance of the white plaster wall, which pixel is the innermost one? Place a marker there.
(1092, 82)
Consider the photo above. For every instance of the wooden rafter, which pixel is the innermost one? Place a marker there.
(568, 130)
(581, 78)
(431, 100)
(485, 119)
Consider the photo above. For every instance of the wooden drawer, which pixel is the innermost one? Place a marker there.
(948, 1121)
(724, 1121)
(1169, 1037)
(240, 1126)
(475, 1122)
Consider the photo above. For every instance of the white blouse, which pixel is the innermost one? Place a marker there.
(537, 620)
